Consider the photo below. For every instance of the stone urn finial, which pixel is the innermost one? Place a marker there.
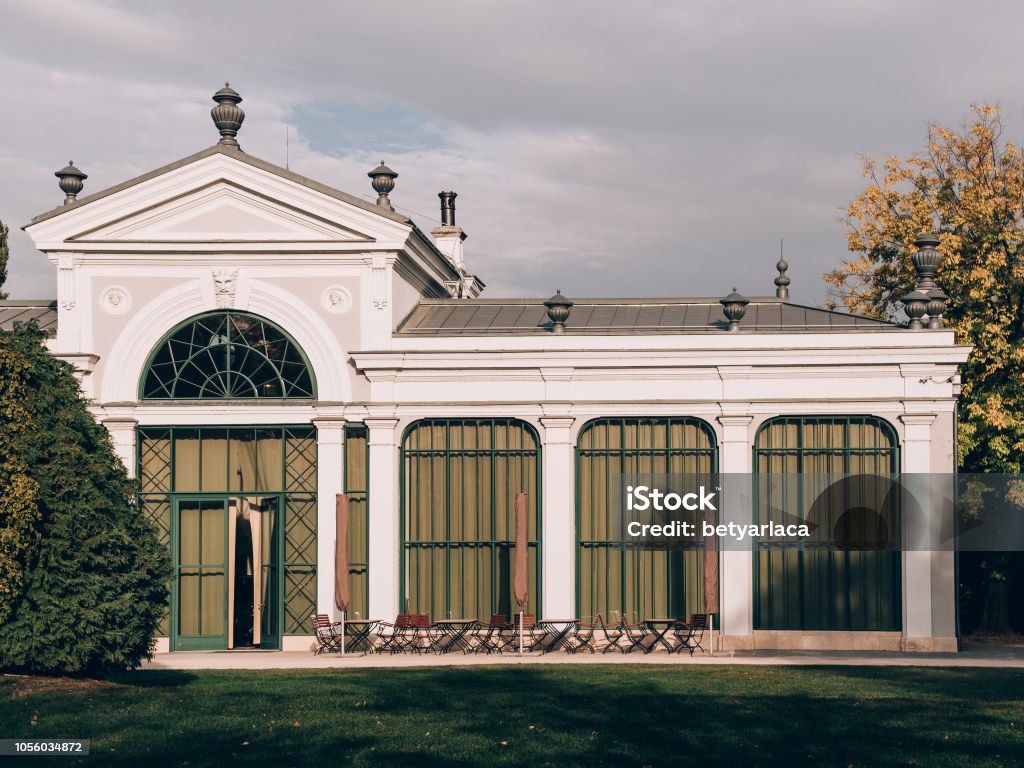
(70, 181)
(227, 115)
(383, 180)
(558, 307)
(734, 306)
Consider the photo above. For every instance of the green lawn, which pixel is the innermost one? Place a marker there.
(531, 715)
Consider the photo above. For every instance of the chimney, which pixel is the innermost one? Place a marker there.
(449, 237)
(448, 208)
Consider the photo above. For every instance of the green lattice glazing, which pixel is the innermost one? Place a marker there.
(826, 581)
(616, 578)
(227, 356)
(460, 478)
(272, 462)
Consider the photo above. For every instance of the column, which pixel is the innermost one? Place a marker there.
(558, 519)
(917, 554)
(736, 577)
(383, 524)
(122, 434)
(330, 439)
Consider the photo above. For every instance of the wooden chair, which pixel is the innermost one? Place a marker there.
(612, 635)
(583, 637)
(492, 637)
(528, 631)
(691, 634)
(327, 637)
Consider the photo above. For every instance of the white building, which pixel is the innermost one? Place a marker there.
(257, 342)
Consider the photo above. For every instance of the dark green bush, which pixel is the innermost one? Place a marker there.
(93, 581)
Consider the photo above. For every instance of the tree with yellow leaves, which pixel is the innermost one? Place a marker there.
(969, 188)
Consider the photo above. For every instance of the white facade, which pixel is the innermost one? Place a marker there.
(222, 230)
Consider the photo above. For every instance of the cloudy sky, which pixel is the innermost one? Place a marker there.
(607, 149)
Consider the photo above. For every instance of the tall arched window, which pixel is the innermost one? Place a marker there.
(615, 577)
(460, 478)
(838, 473)
(227, 355)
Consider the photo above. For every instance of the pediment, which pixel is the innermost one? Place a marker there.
(222, 212)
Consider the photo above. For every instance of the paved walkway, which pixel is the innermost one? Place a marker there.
(974, 655)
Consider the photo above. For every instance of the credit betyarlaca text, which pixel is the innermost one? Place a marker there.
(738, 531)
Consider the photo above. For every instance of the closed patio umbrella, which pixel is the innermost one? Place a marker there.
(711, 576)
(520, 563)
(341, 593)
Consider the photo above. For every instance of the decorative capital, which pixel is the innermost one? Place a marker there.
(227, 115)
(70, 183)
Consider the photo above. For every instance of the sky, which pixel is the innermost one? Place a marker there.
(605, 149)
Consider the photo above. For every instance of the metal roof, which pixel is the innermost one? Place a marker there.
(519, 317)
(237, 154)
(43, 311)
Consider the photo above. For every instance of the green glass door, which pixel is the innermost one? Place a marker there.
(227, 560)
(199, 610)
(271, 604)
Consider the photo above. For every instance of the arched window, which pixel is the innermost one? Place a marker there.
(460, 479)
(837, 474)
(615, 577)
(227, 356)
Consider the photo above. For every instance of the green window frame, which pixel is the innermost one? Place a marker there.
(165, 472)
(459, 479)
(617, 578)
(357, 488)
(227, 355)
(824, 582)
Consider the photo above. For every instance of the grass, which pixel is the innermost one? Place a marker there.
(537, 716)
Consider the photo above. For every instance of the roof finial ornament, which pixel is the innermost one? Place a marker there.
(383, 182)
(734, 306)
(927, 298)
(227, 115)
(70, 181)
(558, 307)
(782, 281)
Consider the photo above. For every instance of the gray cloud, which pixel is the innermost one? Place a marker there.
(654, 149)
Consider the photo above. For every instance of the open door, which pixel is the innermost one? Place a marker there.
(270, 610)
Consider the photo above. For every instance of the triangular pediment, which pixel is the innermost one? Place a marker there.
(222, 211)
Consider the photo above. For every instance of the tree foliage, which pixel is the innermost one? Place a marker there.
(19, 509)
(969, 187)
(4, 256)
(85, 577)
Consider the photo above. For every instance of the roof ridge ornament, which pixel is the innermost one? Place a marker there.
(383, 181)
(927, 298)
(558, 307)
(782, 281)
(70, 183)
(734, 306)
(227, 115)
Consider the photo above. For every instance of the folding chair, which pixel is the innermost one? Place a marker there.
(583, 636)
(492, 636)
(528, 630)
(327, 637)
(612, 636)
(402, 636)
(691, 634)
(636, 634)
